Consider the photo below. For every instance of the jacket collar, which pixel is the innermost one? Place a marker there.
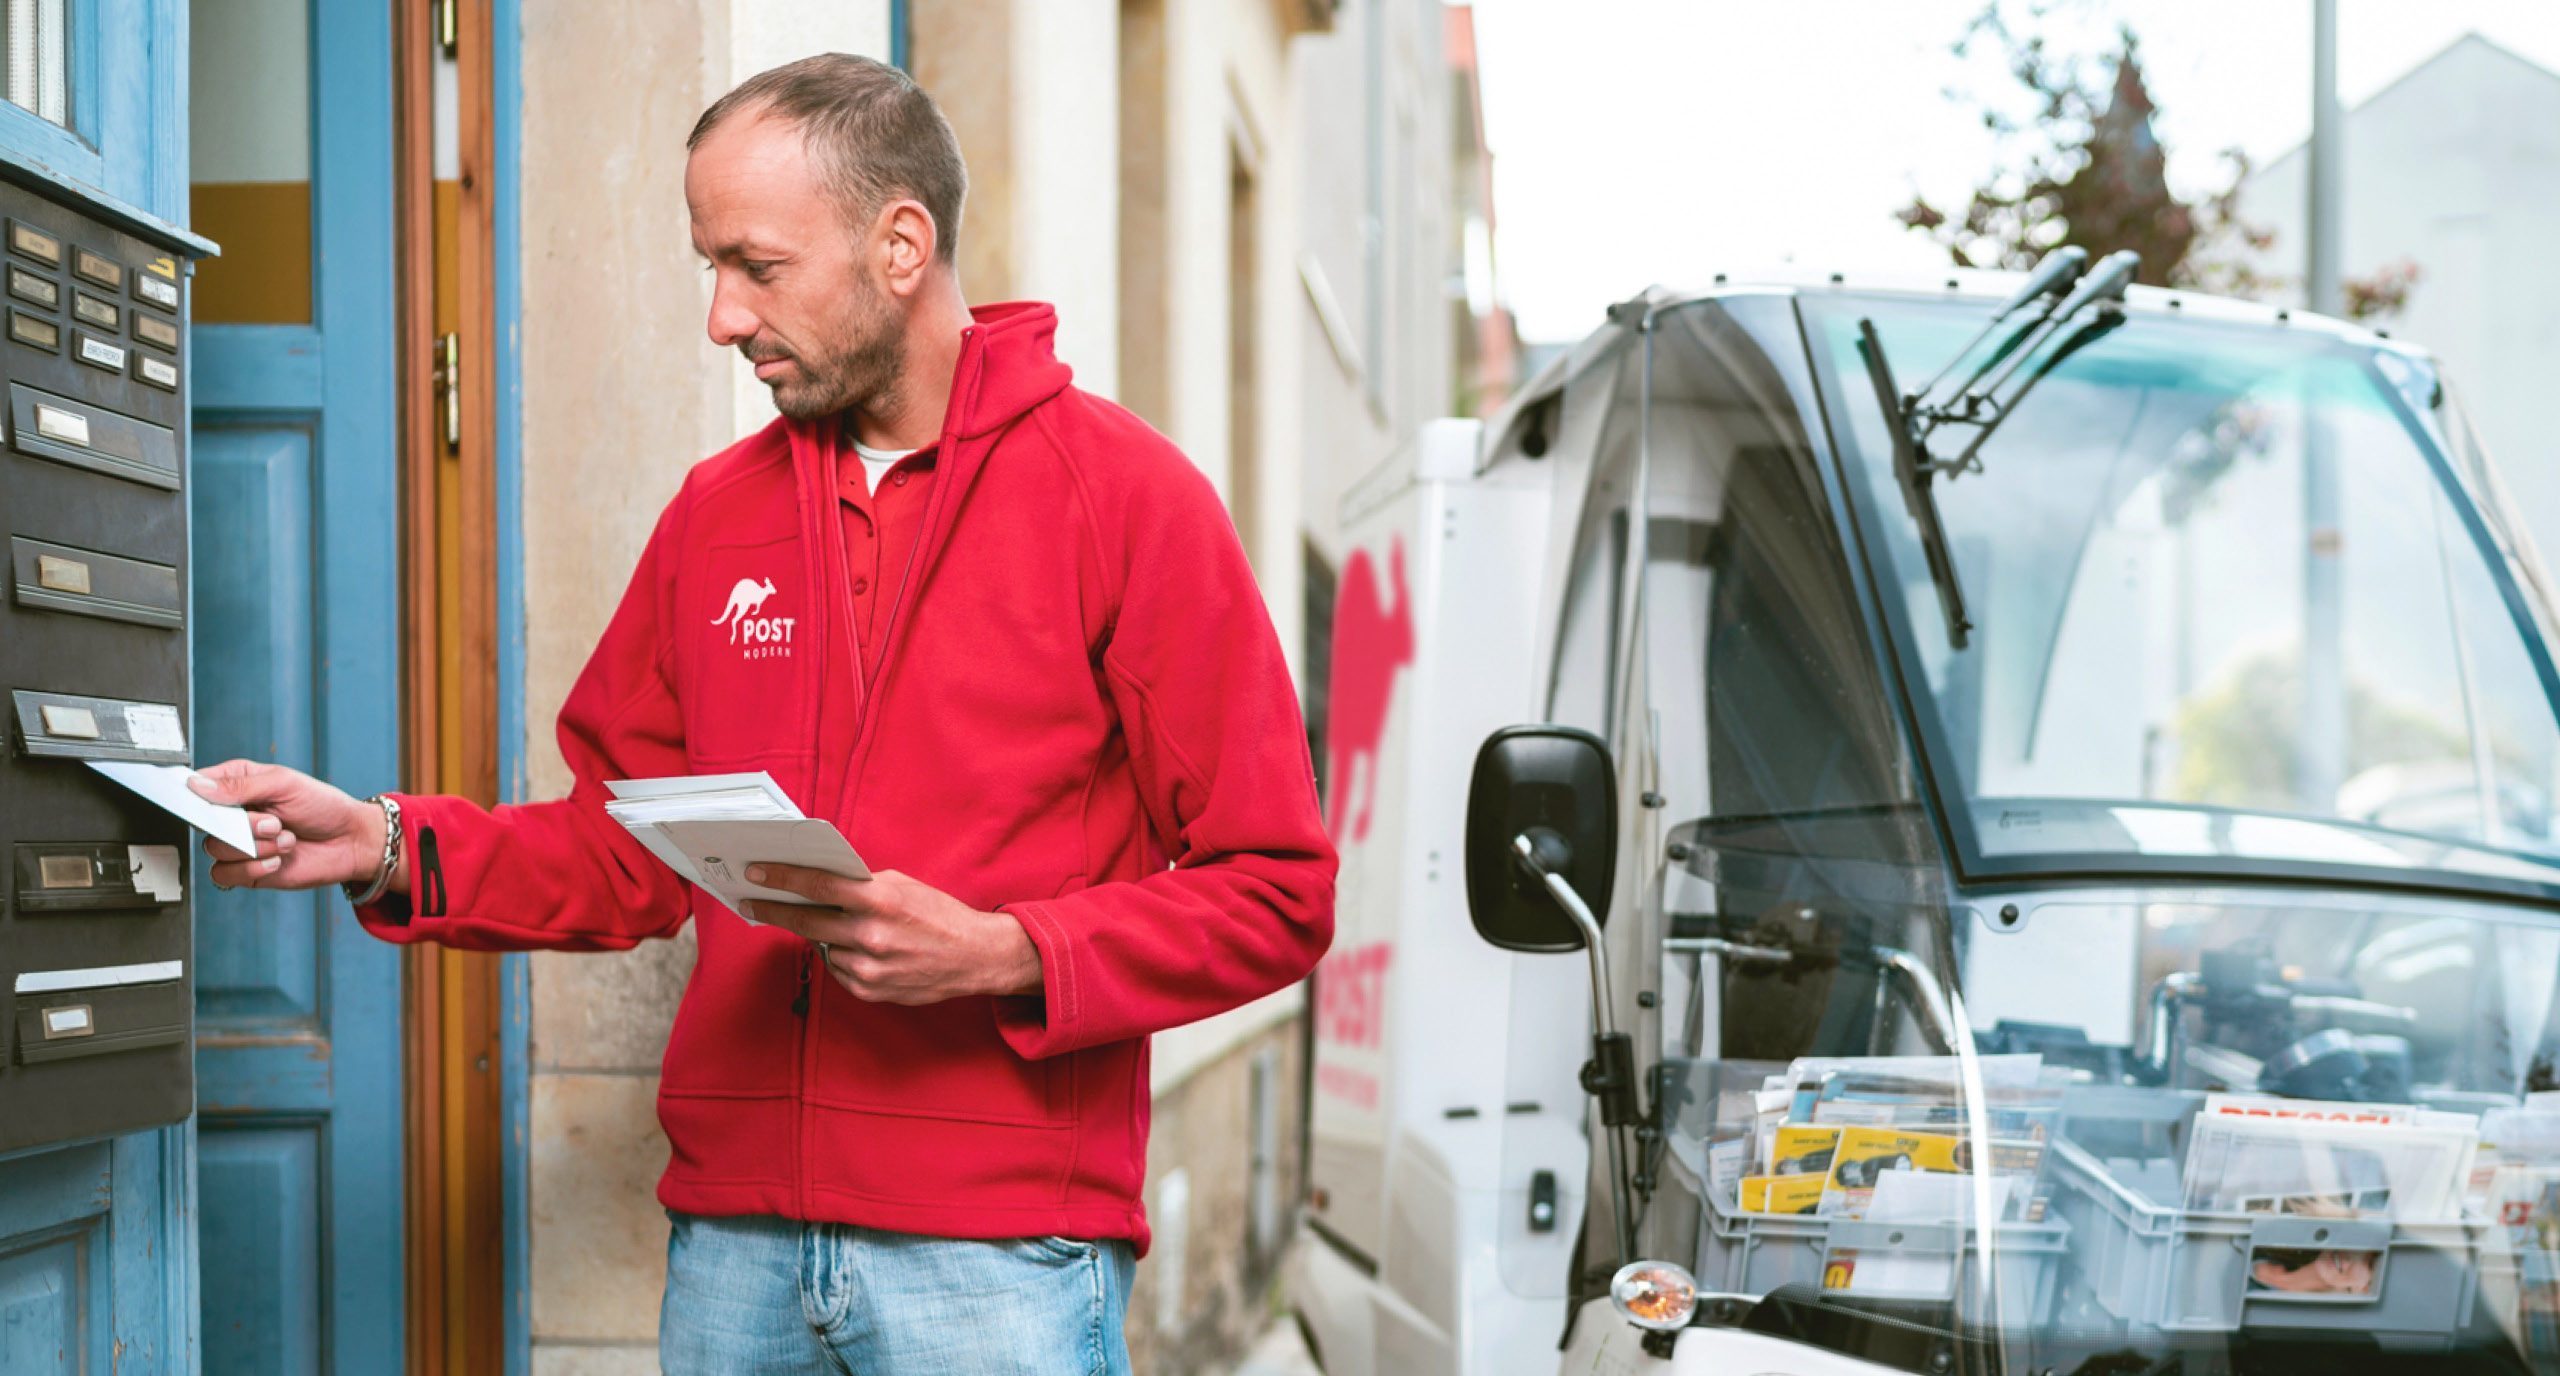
(1007, 366)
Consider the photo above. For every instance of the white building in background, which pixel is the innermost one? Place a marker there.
(2455, 167)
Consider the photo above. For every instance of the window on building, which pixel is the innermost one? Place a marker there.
(1244, 372)
(39, 73)
(1318, 585)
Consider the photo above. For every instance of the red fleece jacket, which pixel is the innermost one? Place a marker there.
(1078, 714)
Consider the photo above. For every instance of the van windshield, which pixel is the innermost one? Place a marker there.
(2232, 605)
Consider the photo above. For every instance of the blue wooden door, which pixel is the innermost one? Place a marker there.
(297, 1010)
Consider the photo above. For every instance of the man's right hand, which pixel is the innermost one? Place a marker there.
(308, 833)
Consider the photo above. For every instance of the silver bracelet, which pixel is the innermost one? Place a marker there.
(391, 831)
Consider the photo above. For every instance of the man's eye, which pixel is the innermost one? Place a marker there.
(758, 271)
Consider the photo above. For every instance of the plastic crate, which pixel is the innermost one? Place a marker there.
(1740, 1253)
(2159, 1267)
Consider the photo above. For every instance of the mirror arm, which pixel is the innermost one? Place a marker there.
(1610, 1074)
(2168, 999)
(1926, 997)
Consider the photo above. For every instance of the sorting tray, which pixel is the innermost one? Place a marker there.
(1740, 1253)
(2155, 1266)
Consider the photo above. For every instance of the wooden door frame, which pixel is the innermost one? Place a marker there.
(452, 1057)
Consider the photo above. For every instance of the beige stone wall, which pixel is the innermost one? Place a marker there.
(622, 393)
(1205, 1129)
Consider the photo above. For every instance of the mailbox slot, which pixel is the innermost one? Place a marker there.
(100, 1020)
(86, 583)
(57, 428)
(103, 876)
(70, 726)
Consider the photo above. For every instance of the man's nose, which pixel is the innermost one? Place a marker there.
(731, 322)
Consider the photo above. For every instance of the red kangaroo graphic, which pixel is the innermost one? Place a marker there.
(1371, 641)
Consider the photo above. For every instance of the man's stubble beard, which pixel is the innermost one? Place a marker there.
(861, 374)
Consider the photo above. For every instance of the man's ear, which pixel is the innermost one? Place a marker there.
(907, 243)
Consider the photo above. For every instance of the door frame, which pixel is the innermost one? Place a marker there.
(464, 1043)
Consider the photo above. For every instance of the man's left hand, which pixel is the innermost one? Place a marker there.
(892, 939)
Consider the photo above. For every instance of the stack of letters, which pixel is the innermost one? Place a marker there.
(1896, 1139)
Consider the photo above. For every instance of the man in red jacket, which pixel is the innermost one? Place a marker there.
(1002, 635)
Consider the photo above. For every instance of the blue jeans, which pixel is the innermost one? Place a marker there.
(770, 1295)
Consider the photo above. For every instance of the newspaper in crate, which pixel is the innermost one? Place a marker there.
(2256, 1154)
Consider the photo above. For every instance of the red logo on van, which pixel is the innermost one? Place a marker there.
(1371, 641)
(1351, 995)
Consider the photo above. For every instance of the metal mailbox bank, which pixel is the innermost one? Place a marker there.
(96, 1007)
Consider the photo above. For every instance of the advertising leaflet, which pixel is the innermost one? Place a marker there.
(1829, 1131)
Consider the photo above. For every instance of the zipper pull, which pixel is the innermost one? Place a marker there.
(800, 1003)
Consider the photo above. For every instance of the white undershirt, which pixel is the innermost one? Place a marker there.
(876, 463)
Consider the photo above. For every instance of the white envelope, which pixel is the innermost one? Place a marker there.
(717, 854)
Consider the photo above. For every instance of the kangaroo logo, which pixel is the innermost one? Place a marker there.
(743, 601)
(767, 637)
(1372, 639)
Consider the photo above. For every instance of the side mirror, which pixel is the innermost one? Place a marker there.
(1553, 785)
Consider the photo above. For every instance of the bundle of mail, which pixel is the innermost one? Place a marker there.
(1896, 1139)
(2255, 1153)
(710, 828)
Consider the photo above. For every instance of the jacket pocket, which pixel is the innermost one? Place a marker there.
(943, 1060)
(734, 1032)
(750, 644)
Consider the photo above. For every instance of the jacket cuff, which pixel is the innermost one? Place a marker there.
(408, 917)
(1042, 1025)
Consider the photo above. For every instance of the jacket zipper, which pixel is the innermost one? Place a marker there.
(831, 535)
(804, 1045)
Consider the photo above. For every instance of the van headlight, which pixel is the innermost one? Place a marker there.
(1655, 1294)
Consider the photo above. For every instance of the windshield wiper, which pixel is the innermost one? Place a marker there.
(2066, 293)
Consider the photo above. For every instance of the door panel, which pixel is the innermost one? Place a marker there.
(53, 1213)
(296, 624)
(260, 953)
(44, 1295)
(261, 1312)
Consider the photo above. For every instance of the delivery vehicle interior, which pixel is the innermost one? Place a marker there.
(2125, 765)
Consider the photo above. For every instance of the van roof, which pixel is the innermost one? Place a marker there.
(1959, 284)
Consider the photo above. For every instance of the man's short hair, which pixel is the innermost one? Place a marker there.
(873, 131)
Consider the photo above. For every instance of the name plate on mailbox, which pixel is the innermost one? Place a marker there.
(70, 726)
(69, 876)
(92, 437)
(101, 1011)
(84, 583)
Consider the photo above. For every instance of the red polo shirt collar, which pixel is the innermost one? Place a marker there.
(880, 532)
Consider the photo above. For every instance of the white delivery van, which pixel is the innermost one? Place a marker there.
(1992, 824)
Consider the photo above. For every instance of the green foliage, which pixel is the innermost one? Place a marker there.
(2084, 165)
(2237, 738)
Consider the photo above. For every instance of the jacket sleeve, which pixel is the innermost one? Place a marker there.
(562, 875)
(1211, 719)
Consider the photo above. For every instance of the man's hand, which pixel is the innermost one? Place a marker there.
(308, 833)
(892, 939)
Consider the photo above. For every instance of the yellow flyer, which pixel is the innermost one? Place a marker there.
(1781, 1194)
(1803, 1149)
(1865, 1153)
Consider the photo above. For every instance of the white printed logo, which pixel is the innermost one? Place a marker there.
(765, 637)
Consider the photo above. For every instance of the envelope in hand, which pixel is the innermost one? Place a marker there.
(721, 851)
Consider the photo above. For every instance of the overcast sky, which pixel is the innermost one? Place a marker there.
(1641, 141)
